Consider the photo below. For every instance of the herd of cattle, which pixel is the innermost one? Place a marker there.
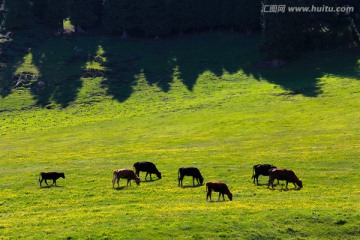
(274, 173)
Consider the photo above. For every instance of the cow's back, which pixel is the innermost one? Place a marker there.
(217, 186)
(125, 173)
(190, 171)
(283, 174)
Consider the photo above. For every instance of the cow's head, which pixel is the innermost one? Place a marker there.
(137, 180)
(62, 175)
(299, 183)
(230, 196)
(158, 174)
(201, 180)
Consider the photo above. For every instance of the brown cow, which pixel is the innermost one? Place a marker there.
(50, 175)
(283, 174)
(127, 174)
(220, 187)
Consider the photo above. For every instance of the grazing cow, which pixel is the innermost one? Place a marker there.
(50, 175)
(127, 174)
(283, 174)
(261, 169)
(190, 171)
(220, 187)
(147, 167)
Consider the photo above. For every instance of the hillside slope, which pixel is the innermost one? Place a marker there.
(206, 101)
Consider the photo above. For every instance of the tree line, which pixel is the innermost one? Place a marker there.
(284, 34)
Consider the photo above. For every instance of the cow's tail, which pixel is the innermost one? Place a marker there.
(40, 178)
(253, 172)
(114, 178)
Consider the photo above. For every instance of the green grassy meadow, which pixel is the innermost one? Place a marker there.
(205, 100)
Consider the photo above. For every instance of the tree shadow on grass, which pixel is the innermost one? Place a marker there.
(12, 52)
(302, 76)
(61, 61)
(190, 56)
(159, 61)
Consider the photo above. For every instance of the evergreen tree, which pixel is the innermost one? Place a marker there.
(283, 33)
(120, 16)
(39, 8)
(156, 20)
(55, 13)
(17, 14)
(191, 14)
(287, 34)
(209, 13)
(83, 13)
(177, 11)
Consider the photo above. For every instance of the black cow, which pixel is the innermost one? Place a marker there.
(220, 187)
(50, 175)
(147, 167)
(190, 171)
(284, 174)
(261, 169)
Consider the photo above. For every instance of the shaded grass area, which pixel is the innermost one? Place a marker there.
(63, 64)
(221, 121)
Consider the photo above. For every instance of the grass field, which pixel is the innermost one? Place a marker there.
(205, 100)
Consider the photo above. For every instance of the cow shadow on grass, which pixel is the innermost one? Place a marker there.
(51, 186)
(285, 190)
(149, 181)
(281, 188)
(120, 188)
(191, 186)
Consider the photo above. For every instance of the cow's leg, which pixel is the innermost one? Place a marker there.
(114, 180)
(180, 180)
(46, 182)
(256, 178)
(147, 175)
(208, 195)
(193, 181)
(219, 196)
(118, 181)
(271, 181)
(54, 181)
(286, 185)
